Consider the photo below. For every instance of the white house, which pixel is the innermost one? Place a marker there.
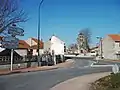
(56, 45)
(47, 46)
(111, 46)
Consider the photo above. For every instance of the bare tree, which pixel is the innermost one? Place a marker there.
(87, 33)
(72, 47)
(10, 14)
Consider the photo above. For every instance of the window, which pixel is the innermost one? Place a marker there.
(81, 51)
(81, 36)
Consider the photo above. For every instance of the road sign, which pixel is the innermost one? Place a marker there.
(10, 45)
(10, 39)
(16, 31)
(115, 68)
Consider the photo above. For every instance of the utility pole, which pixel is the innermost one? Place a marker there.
(101, 47)
(39, 31)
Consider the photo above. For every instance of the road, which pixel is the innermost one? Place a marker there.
(44, 80)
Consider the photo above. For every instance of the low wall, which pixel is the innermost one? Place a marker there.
(15, 66)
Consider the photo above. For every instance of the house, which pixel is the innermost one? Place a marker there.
(19, 52)
(55, 45)
(94, 51)
(33, 43)
(47, 46)
(22, 48)
(25, 45)
(111, 46)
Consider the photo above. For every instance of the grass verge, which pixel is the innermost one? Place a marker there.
(111, 82)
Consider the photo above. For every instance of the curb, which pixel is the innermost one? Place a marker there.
(67, 64)
(19, 71)
(80, 82)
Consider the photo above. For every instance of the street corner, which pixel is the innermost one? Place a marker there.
(79, 83)
(71, 84)
(70, 60)
(35, 69)
(67, 63)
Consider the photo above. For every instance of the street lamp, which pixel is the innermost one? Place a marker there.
(101, 49)
(39, 30)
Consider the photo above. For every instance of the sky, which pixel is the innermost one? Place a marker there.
(65, 18)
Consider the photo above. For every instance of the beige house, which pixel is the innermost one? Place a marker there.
(33, 43)
(111, 46)
(22, 48)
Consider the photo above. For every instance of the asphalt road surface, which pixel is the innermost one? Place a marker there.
(44, 80)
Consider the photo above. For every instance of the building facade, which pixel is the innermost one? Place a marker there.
(55, 45)
(111, 46)
(33, 43)
(81, 42)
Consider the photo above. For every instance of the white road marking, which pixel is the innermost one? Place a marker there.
(102, 66)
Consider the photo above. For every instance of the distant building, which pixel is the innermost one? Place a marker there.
(81, 42)
(111, 46)
(94, 51)
(72, 49)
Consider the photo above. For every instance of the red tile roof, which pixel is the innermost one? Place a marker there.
(23, 45)
(36, 46)
(36, 40)
(115, 37)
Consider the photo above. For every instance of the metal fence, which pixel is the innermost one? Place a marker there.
(44, 59)
(6, 60)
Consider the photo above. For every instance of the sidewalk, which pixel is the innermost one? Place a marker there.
(68, 63)
(79, 83)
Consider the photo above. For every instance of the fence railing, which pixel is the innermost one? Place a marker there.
(6, 59)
